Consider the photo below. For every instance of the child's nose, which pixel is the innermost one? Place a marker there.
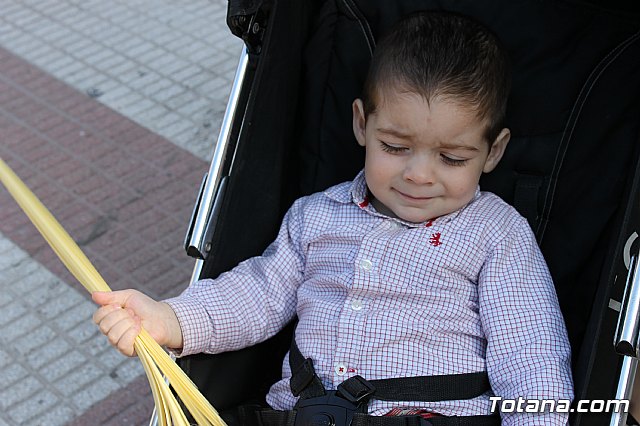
(420, 170)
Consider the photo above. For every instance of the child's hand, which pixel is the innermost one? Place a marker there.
(123, 313)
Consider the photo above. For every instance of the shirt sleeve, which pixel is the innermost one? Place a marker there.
(528, 352)
(248, 304)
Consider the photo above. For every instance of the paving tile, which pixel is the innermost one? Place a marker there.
(34, 340)
(13, 374)
(96, 391)
(131, 416)
(50, 289)
(59, 304)
(84, 331)
(73, 316)
(19, 392)
(18, 270)
(115, 405)
(9, 314)
(74, 380)
(37, 280)
(58, 415)
(11, 259)
(64, 61)
(62, 366)
(17, 323)
(48, 353)
(127, 371)
(109, 358)
(32, 407)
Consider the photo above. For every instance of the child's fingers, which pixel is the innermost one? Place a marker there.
(120, 327)
(126, 343)
(107, 317)
(131, 305)
(103, 312)
(123, 334)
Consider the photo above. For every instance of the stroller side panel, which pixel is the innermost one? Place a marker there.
(574, 115)
(247, 223)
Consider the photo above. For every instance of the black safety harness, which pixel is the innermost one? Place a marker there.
(347, 405)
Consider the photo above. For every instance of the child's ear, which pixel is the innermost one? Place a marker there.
(497, 150)
(359, 122)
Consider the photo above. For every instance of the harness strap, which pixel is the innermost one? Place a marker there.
(432, 388)
(419, 388)
(276, 418)
(364, 420)
(357, 391)
(304, 381)
(288, 418)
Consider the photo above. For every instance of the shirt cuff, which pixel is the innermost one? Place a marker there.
(195, 324)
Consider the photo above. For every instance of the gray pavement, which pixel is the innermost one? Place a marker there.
(165, 64)
(168, 66)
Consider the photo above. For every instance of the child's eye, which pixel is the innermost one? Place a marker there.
(392, 149)
(453, 161)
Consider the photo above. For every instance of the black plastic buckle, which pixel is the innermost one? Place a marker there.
(327, 410)
(356, 390)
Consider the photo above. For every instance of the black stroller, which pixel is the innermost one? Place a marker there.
(571, 169)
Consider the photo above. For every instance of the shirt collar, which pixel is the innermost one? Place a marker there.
(358, 194)
(355, 192)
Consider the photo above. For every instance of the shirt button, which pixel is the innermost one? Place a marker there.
(356, 305)
(366, 264)
(341, 369)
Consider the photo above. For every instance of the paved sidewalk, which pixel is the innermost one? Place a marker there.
(109, 111)
(166, 65)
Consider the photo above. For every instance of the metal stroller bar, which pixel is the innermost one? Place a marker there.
(625, 388)
(626, 340)
(203, 219)
(629, 320)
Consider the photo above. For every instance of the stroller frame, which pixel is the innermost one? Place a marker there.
(616, 302)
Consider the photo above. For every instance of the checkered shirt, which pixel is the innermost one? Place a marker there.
(380, 297)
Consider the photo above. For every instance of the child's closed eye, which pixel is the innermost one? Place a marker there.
(453, 161)
(392, 148)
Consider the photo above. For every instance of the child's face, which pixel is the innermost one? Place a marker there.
(423, 160)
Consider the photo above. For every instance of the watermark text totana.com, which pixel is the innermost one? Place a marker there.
(522, 405)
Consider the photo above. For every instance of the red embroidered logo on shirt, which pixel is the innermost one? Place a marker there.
(435, 239)
(364, 203)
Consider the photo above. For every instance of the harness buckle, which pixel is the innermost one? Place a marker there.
(356, 390)
(330, 409)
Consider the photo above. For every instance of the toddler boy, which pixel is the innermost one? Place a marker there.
(407, 271)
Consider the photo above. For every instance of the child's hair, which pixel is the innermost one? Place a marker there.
(443, 54)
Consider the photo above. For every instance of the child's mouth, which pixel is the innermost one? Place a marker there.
(412, 197)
